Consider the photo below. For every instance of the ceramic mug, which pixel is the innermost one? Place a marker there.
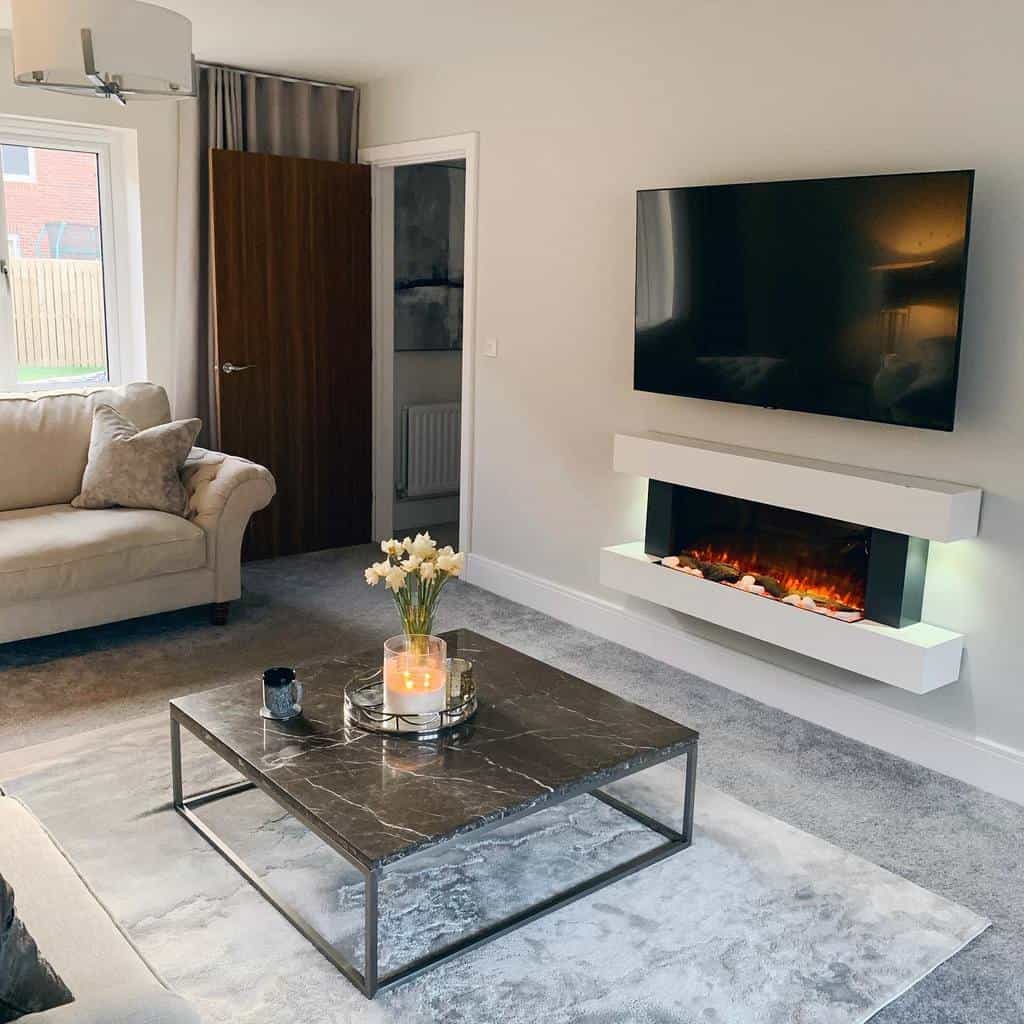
(281, 694)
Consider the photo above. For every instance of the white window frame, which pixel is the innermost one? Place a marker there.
(106, 144)
(30, 178)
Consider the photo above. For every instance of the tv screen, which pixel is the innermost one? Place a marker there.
(841, 296)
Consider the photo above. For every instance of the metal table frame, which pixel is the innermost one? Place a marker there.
(369, 981)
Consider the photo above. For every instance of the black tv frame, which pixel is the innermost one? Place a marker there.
(969, 171)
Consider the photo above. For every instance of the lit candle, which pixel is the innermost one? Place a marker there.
(414, 685)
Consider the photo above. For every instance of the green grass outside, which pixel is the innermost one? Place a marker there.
(28, 374)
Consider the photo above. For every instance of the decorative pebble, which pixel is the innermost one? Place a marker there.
(747, 585)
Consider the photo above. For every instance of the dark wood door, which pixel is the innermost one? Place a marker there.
(291, 300)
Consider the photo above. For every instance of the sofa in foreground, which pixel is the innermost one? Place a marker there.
(108, 977)
(65, 568)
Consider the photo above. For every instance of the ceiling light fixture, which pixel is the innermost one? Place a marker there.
(108, 48)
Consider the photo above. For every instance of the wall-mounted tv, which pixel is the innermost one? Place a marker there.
(841, 296)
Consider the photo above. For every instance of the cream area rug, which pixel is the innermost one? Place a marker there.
(758, 923)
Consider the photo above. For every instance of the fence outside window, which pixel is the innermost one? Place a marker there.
(58, 312)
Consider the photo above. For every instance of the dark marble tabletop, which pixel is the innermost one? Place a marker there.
(539, 734)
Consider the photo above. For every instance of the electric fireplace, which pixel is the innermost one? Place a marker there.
(813, 563)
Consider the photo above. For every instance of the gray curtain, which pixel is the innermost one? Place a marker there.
(253, 113)
(260, 114)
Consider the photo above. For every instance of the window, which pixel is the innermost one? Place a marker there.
(59, 317)
(18, 163)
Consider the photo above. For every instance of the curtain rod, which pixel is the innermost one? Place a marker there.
(283, 78)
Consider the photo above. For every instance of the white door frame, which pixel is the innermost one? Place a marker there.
(383, 160)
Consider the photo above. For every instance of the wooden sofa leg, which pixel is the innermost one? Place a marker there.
(219, 613)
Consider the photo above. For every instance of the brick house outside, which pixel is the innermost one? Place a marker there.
(52, 203)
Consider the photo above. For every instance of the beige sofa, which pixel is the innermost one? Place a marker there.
(110, 980)
(64, 568)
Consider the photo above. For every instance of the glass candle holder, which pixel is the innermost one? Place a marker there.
(415, 675)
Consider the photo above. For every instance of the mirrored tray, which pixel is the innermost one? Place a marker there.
(364, 707)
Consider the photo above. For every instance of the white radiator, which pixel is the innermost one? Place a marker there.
(429, 457)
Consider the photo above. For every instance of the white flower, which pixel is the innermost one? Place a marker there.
(427, 570)
(453, 564)
(423, 546)
(412, 563)
(391, 547)
(377, 572)
(395, 578)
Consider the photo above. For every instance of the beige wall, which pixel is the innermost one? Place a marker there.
(614, 97)
(156, 126)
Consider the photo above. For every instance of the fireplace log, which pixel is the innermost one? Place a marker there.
(823, 602)
(720, 572)
(772, 585)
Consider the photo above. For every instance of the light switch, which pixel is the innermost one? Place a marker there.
(491, 347)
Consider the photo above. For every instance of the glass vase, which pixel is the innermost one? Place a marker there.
(417, 621)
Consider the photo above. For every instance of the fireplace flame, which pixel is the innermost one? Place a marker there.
(822, 585)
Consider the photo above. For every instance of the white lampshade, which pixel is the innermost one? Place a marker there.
(141, 48)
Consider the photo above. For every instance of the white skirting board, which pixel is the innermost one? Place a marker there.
(918, 658)
(910, 505)
(974, 760)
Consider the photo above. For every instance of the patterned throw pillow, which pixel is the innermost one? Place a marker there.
(28, 984)
(135, 468)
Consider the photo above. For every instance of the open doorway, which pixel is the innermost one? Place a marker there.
(424, 234)
(430, 213)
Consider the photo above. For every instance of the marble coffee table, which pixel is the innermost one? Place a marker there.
(541, 737)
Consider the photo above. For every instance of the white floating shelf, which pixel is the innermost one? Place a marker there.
(889, 501)
(918, 658)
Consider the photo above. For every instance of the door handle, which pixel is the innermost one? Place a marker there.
(231, 368)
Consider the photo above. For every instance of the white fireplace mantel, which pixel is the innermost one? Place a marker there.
(910, 505)
(919, 657)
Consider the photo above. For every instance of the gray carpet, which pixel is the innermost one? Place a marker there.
(940, 834)
(757, 923)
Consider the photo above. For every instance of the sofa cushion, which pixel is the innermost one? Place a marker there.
(72, 927)
(132, 468)
(44, 438)
(28, 983)
(119, 1006)
(57, 549)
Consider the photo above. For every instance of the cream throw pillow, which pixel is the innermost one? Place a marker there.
(135, 468)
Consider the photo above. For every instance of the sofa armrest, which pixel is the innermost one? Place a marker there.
(223, 493)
